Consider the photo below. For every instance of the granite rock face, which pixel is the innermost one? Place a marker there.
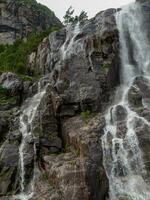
(83, 64)
(80, 64)
(18, 18)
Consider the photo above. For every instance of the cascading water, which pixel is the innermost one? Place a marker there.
(71, 46)
(123, 159)
(29, 110)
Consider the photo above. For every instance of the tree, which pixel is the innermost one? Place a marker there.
(69, 18)
(83, 16)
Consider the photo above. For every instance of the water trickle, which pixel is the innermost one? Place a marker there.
(29, 110)
(123, 160)
(71, 45)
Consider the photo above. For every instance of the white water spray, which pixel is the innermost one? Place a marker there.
(29, 110)
(71, 45)
(122, 156)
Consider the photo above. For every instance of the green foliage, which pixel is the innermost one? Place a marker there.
(4, 97)
(36, 7)
(45, 175)
(2, 47)
(85, 114)
(27, 2)
(69, 18)
(14, 57)
(3, 91)
(83, 16)
(105, 66)
(29, 78)
(66, 148)
(77, 152)
(72, 163)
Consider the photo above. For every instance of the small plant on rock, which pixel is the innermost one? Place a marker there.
(85, 114)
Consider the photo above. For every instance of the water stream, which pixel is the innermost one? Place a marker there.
(123, 158)
(29, 110)
(71, 46)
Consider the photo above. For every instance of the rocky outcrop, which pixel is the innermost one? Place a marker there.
(84, 65)
(18, 18)
(143, 1)
(139, 99)
(11, 82)
(81, 65)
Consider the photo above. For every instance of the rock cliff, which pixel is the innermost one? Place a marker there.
(80, 67)
(18, 18)
(81, 64)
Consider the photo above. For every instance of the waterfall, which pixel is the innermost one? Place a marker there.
(71, 45)
(29, 110)
(123, 157)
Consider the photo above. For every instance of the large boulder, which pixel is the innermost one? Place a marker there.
(78, 172)
(11, 82)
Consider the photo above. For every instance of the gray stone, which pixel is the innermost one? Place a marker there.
(11, 82)
(19, 19)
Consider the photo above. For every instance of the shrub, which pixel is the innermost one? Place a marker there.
(14, 57)
(70, 18)
(5, 98)
(85, 114)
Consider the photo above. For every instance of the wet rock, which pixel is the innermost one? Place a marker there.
(81, 79)
(5, 118)
(14, 136)
(95, 55)
(143, 84)
(9, 155)
(8, 168)
(8, 182)
(135, 97)
(11, 82)
(68, 145)
(51, 145)
(143, 131)
(78, 172)
(69, 172)
(121, 113)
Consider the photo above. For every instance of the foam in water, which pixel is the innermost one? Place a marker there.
(122, 156)
(29, 110)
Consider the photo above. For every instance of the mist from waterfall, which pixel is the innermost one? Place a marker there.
(123, 158)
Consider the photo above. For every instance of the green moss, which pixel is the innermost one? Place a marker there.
(8, 194)
(29, 78)
(14, 57)
(85, 114)
(66, 148)
(72, 162)
(105, 67)
(77, 152)
(45, 175)
(5, 98)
